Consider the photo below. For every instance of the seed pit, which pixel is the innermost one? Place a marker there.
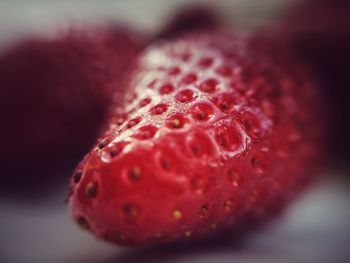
(91, 190)
(188, 79)
(205, 62)
(135, 173)
(209, 85)
(165, 164)
(185, 56)
(168, 160)
(145, 102)
(258, 166)
(254, 194)
(227, 135)
(188, 234)
(225, 71)
(77, 176)
(103, 144)
(166, 89)
(159, 109)
(114, 151)
(198, 184)
(225, 102)
(234, 177)
(255, 162)
(133, 122)
(202, 111)
(203, 211)
(176, 121)
(83, 223)
(228, 205)
(185, 96)
(174, 71)
(177, 214)
(130, 211)
(199, 144)
(252, 124)
(146, 132)
(119, 121)
(152, 84)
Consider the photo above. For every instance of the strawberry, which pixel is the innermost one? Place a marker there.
(323, 38)
(55, 92)
(217, 131)
(189, 19)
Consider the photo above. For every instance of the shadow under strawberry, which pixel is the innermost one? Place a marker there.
(180, 251)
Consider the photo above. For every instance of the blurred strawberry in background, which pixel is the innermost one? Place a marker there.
(319, 30)
(188, 19)
(55, 92)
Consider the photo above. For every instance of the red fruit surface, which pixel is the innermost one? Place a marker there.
(55, 93)
(233, 140)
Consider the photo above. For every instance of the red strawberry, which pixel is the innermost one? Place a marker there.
(217, 132)
(55, 92)
(319, 30)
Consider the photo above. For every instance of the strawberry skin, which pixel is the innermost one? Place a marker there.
(55, 92)
(218, 131)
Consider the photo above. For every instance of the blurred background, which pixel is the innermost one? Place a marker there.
(35, 224)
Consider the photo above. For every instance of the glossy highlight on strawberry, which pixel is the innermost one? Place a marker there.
(233, 140)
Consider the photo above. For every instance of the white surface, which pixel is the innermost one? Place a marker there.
(28, 16)
(316, 228)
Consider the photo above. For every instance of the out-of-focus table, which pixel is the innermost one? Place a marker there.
(316, 228)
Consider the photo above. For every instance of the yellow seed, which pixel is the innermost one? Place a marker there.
(177, 214)
(228, 205)
(233, 177)
(188, 233)
(91, 190)
(176, 123)
(135, 173)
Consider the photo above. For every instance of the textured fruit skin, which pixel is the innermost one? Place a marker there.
(218, 131)
(55, 93)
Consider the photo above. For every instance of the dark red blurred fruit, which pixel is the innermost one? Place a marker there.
(54, 95)
(217, 132)
(188, 19)
(320, 31)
